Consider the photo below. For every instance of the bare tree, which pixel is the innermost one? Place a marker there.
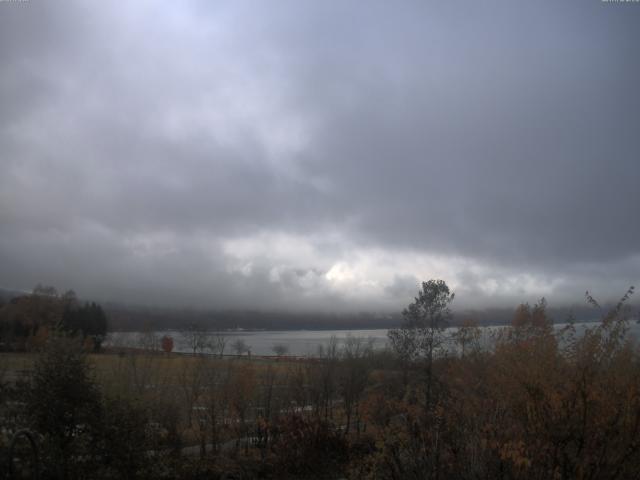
(196, 338)
(280, 349)
(217, 343)
(242, 390)
(355, 367)
(240, 346)
(193, 384)
(322, 377)
(148, 340)
(268, 404)
(216, 401)
(468, 337)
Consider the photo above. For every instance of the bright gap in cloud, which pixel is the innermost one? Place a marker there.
(375, 276)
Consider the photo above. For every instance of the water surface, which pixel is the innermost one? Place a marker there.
(297, 342)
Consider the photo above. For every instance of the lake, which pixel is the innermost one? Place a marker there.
(298, 342)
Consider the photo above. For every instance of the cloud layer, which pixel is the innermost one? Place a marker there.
(320, 155)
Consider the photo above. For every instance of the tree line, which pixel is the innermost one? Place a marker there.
(27, 321)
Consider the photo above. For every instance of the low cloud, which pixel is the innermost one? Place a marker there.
(242, 156)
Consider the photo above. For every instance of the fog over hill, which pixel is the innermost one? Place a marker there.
(320, 156)
(127, 318)
(137, 317)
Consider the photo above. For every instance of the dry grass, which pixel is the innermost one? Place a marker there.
(14, 366)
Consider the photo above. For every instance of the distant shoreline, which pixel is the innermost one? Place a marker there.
(319, 329)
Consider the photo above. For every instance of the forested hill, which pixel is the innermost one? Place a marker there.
(132, 318)
(123, 317)
(27, 320)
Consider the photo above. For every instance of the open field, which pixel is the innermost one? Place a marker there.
(16, 365)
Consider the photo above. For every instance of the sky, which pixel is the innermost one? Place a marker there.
(320, 155)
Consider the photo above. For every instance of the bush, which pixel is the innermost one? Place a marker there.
(308, 447)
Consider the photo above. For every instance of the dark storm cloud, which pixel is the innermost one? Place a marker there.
(301, 154)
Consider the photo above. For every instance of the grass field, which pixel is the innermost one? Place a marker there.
(111, 367)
